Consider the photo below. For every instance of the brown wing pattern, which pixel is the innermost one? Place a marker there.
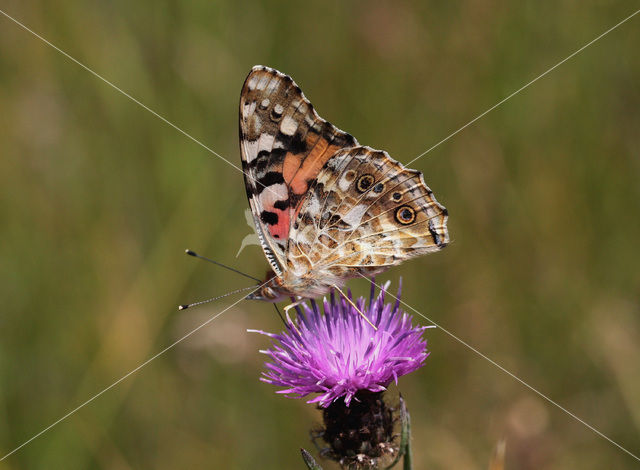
(365, 213)
(284, 145)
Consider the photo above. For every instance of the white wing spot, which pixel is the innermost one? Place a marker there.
(354, 216)
(273, 84)
(274, 193)
(252, 148)
(288, 126)
(344, 184)
(263, 82)
(248, 109)
(266, 142)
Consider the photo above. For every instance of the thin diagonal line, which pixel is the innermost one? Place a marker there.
(523, 87)
(115, 87)
(237, 168)
(82, 405)
(511, 374)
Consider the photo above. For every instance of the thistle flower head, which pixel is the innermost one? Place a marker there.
(337, 353)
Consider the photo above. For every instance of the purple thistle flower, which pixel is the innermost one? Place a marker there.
(338, 353)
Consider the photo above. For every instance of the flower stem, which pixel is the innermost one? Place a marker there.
(405, 439)
(406, 431)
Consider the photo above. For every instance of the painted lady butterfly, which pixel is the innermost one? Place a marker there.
(325, 208)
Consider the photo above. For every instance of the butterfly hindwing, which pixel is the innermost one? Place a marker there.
(284, 145)
(365, 213)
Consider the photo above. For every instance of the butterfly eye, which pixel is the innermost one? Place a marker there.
(405, 215)
(269, 293)
(378, 188)
(364, 183)
(396, 196)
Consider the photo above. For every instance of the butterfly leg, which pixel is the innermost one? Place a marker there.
(289, 307)
(354, 306)
(293, 305)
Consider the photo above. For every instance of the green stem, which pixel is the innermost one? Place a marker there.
(405, 439)
(408, 456)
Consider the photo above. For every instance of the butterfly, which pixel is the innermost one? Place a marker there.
(325, 208)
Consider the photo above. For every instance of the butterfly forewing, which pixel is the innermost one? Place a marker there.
(284, 144)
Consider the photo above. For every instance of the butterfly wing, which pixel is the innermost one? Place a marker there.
(284, 144)
(365, 213)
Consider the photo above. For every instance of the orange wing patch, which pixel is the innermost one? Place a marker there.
(284, 145)
(291, 165)
(299, 169)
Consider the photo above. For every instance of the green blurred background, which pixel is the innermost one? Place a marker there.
(99, 199)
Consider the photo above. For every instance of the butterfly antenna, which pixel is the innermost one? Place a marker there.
(186, 306)
(196, 255)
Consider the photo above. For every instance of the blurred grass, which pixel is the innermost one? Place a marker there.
(99, 199)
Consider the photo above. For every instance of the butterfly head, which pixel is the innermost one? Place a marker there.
(271, 290)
